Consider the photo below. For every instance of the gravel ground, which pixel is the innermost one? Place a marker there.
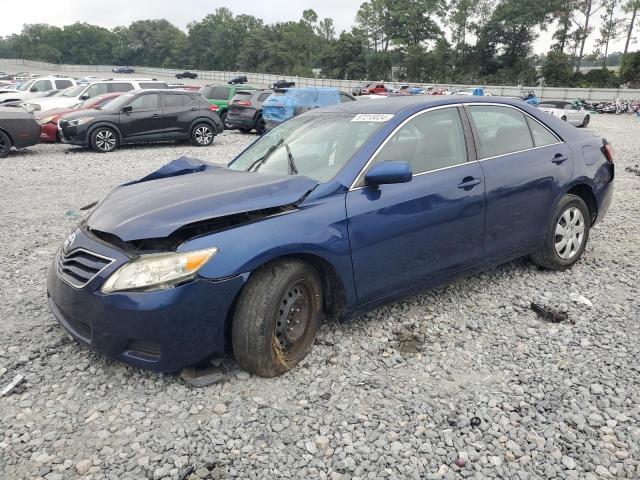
(461, 382)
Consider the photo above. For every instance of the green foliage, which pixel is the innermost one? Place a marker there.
(630, 69)
(426, 41)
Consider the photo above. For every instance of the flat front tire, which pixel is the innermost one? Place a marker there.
(277, 317)
(5, 145)
(567, 235)
(104, 140)
(202, 135)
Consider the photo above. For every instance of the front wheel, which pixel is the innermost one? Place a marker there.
(5, 145)
(567, 235)
(202, 135)
(277, 317)
(223, 119)
(104, 140)
(585, 122)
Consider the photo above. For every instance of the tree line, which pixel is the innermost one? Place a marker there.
(430, 41)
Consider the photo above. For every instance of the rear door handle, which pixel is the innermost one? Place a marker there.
(559, 158)
(468, 183)
(194, 109)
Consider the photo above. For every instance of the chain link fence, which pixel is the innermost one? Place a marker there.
(264, 79)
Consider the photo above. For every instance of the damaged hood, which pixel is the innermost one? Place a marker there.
(166, 200)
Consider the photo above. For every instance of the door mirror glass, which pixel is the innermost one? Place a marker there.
(389, 172)
(127, 109)
(84, 96)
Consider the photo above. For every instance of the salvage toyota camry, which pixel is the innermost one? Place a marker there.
(331, 213)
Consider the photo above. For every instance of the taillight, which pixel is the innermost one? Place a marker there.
(607, 150)
(242, 103)
(213, 108)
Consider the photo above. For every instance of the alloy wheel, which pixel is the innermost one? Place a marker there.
(569, 234)
(204, 135)
(3, 146)
(106, 140)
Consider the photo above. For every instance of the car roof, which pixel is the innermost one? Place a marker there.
(396, 103)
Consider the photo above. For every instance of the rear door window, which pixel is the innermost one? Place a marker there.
(172, 101)
(187, 100)
(264, 96)
(501, 130)
(146, 102)
(42, 86)
(119, 87)
(62, 84)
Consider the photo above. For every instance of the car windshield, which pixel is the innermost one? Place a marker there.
(316, 146)
(73, 92)
(118, 102)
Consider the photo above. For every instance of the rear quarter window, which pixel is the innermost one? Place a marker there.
(120, 87)
(62, 84)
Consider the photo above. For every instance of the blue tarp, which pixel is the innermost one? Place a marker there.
(282, 106)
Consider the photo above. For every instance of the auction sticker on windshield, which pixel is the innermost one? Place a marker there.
(372, 117)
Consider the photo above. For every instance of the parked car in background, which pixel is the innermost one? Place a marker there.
(360, 88)
(474, 92)
(336, 212)
(143, 116)
(245, 110)
(37, 88)
(239, 80)
(566, 111)
(76, 95)
(48, 120)
(284, 104)
(283, 84)
(220, 96)
(123, 70)
(18, 129)
(375, 88)
(187, 74)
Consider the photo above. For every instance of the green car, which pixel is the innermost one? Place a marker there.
(221, 95)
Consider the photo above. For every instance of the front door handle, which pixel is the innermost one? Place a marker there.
(559, 158)
(468, 183)
(155, 115)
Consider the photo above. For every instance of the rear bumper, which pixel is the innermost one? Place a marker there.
(28, 136)
(240, 120)
(604, 195)
(161, 331)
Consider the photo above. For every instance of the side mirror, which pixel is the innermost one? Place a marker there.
(33, 89)
(127, 109)
(85, 96)
(389, 172)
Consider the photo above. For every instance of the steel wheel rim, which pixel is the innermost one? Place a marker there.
(294, 317)
(105, 140)
(203, 135)
(569, 234)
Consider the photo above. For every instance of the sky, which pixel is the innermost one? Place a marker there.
(112, 13)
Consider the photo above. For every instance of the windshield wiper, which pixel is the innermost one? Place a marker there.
(292, 165)
(259, 162)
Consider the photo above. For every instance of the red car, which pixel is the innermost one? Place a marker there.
(375, 88)
(48, 119)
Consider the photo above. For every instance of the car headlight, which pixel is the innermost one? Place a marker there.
(80, 121)
(158, 271)
(45, 120)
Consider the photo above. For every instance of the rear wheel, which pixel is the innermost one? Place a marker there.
(103, 140)
(223, 119)
(202, 135)
(5, 145)
(277, 317)
(260, 126)
(567, 235)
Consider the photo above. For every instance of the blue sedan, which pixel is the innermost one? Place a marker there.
(331, 213)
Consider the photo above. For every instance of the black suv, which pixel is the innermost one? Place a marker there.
(245, 110)
(143, 116)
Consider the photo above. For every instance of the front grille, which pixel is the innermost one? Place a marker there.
(78, 267)
(145, 349)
